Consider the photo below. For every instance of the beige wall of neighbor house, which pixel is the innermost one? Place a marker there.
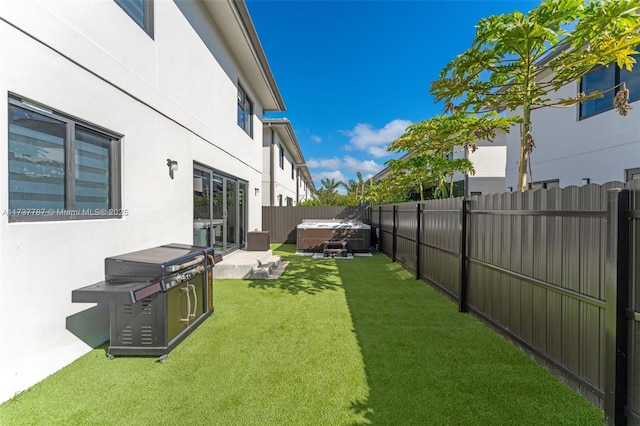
(170, 95)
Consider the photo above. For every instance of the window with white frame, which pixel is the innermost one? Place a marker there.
(141, 11)
(245, 111)
(60, 168)
(609, 80)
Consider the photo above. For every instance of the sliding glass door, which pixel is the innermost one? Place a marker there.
(219, 210)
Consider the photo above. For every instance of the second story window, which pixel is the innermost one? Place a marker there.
(603, 79)
(141, 11)
(281, 159)
(245, 111)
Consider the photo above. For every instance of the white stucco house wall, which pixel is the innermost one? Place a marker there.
(489, 162)
(589, 143)
(286, 180)
(98, 96)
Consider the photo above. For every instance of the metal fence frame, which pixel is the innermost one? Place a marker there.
(553, 270)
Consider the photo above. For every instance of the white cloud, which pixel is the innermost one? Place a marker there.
(316, 139)
(362, 166)
(346, 164)
(328, 174)
(378, 151)
(324, 163)
(364, 137)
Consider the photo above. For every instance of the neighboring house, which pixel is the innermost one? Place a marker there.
(286, 180)
(488, 161)
(100, 99)
(588, 143)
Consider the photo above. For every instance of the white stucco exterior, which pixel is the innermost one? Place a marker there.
(170, 96)
(489, 163)
(600, 147)
(286, 179)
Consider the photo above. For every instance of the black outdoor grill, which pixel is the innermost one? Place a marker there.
(157, 297)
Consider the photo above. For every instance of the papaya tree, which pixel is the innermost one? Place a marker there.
(431, 145)
(517, 61)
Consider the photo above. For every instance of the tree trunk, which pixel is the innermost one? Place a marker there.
(451, 186)
(522, 162)
(526, 141)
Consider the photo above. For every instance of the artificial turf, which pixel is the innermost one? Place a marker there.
(331, 342)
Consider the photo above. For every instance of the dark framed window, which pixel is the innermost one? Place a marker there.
(245, 111)
(632, 174)
(289, 201)
(280, 200)
(281, 158)
(605, 78)
(141, 11)
(60, 168)
(546, 184)
(292, 171)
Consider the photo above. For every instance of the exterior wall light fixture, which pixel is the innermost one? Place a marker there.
(173, 166)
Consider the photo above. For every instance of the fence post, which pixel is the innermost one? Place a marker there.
(617, 301)
(393, 235)
(418, 217)
(379, 230)
(464, 279)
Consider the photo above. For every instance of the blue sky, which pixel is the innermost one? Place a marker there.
(355, 74)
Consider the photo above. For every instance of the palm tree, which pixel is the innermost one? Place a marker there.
(329, 194)
(356, 188)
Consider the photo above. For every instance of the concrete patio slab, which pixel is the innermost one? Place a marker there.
(242, 263)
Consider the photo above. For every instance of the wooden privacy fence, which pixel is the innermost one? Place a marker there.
(554, 270)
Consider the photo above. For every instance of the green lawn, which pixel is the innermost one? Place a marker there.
(332, 342)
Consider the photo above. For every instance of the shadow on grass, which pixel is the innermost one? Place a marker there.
(303, 274)
(426, 363)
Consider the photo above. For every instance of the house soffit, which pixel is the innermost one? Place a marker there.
(234, 22)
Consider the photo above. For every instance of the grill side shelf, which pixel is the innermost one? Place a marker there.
(106, 292)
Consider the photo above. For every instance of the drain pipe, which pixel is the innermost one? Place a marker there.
(272, 168)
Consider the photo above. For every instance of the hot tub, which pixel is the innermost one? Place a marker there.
(312, 233)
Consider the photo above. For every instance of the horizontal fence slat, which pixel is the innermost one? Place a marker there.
(562, 213)
(565, 292)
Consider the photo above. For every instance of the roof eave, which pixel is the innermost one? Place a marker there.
(234, 22)
(288, 137)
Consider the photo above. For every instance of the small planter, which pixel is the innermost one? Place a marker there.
(258, 241)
